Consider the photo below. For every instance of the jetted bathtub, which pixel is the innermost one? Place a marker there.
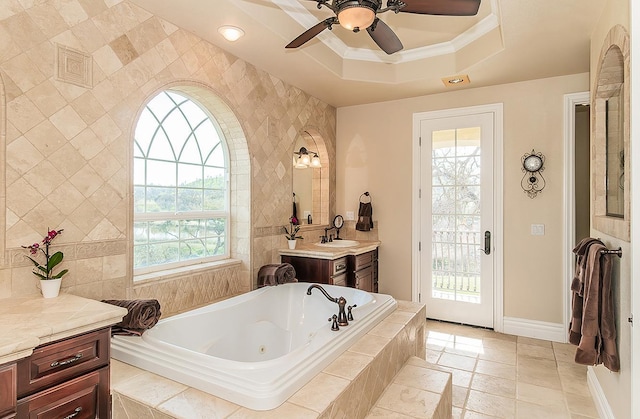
(256, 349)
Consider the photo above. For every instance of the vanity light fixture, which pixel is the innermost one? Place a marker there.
(231, 33)
(307, 158)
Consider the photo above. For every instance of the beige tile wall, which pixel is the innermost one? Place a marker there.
(74, 75)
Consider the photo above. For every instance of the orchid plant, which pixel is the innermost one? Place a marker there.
(292, 232)
(45, 271)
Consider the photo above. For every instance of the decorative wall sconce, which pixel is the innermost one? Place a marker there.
(533, 165)
(307, 158)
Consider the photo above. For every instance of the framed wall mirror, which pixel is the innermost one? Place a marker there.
(610, 137)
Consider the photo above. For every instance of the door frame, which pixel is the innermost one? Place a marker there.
(498, 271)
(569, 204)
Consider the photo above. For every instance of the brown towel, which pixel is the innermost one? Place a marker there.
(277, 273)
(365, 220)
(593, 316)
(142, 315)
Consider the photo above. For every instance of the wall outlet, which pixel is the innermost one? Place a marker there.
(350, 216)
(537, 229)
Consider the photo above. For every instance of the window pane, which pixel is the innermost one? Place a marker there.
(163, 231)
(140, 233)
(140, 256)
(216, 157)
(177, 129)
(191, 152)
(162, 253)
(189, 199)
(161, 200)
(214, 200)
(162, 104)
(139, 199)
(138, 171)
(190, 229)
(161, 173)
(190, 175)
(192, 249)
(214, 178)
(215, 246)
(161, 148)
(216, 227)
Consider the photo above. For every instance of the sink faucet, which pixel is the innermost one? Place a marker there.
(327, 238)
(342, 302)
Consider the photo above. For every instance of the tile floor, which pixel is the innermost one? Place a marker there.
(496, 375)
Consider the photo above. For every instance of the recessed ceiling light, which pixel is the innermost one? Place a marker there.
(456, 80)
(231, 33)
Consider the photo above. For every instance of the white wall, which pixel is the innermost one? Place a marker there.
(374, 153)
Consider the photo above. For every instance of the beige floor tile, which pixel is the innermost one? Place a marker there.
(565, 352)
(377, 412)
(464, 349)
(527, 410)
(582, 405)
(494, 385)
(540, 395)
(193, 404)
(499, 355)
(536, 351)
(457, 361)
(150, 389)
(409, 401)
(459, 395)
(475, 415)
(433, 356)
(422, 378)
(490, 404)
(457, 413)
(320, 392)
(496, 369)
(533, 341)
(459, 377)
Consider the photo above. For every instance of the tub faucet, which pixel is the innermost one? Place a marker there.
(342, 302)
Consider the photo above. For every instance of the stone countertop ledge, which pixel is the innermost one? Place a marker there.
(320, 252)
(30, 321)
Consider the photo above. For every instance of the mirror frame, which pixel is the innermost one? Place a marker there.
(612, 79)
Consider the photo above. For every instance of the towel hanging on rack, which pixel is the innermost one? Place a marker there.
(365, 212)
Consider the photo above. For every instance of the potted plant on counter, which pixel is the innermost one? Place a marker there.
(49, 282)
(292, 232)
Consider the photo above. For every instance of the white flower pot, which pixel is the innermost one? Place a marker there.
(292, 244)
(50, 287)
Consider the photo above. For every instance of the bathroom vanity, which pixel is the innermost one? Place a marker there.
(54, 357)
(354, 264)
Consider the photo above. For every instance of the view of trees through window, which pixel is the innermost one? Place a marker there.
(456, 214)
(180, 185)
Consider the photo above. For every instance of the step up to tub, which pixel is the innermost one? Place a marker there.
(419, 390)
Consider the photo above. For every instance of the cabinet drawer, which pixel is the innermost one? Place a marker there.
(85, 397)
(339, 280)
(339, 266)
(54, 363)
(8, 394)
(363, 260)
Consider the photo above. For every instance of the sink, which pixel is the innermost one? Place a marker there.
(339, 243)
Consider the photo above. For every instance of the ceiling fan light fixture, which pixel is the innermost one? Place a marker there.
(356, 15)
(231, 33)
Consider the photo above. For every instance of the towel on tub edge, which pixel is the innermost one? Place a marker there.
(276, 273)
(142, 315)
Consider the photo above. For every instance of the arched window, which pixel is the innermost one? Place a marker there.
(181, 185)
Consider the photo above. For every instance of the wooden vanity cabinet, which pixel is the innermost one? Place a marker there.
(356, 271)
(8, 390)
(67, 379)
(321, 271)
(364, 271)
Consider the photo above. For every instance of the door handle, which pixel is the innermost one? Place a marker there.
(487, 243)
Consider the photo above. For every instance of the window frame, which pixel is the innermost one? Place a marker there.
(180, 216)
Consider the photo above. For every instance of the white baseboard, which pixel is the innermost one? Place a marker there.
(535, 329)
(602, 405)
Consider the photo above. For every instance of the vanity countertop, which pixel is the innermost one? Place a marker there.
(313, 251)
(27, 322)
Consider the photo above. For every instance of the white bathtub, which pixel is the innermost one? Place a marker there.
(257, 349)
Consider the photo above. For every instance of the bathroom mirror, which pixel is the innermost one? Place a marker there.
(615, 155)
(610, 136)
(307, 179)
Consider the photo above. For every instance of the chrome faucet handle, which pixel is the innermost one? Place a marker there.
(349, 314)
(334, 325)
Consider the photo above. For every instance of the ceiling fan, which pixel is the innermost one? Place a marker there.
(356, 15)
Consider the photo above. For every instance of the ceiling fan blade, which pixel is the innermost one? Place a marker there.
(442, 7)
(311, 33)
(384, 36)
